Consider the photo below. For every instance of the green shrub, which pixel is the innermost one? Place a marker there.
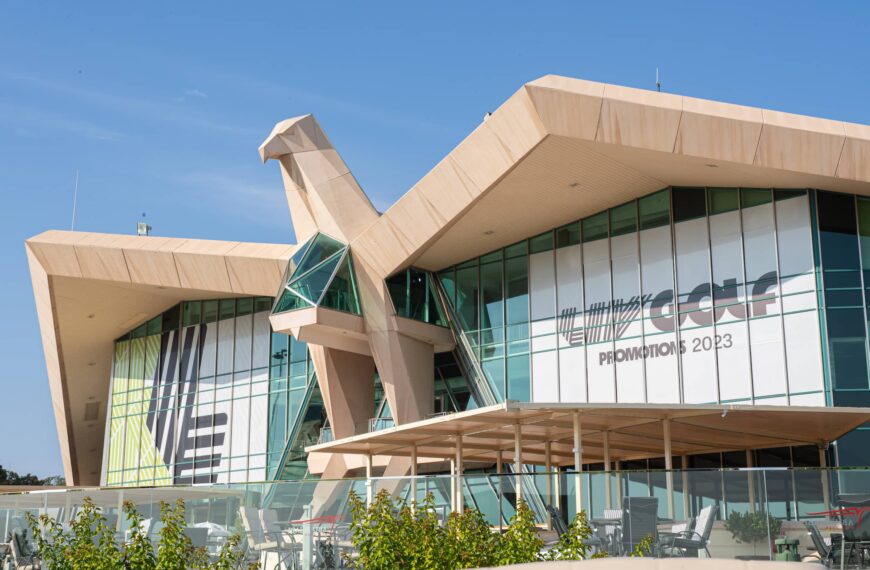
(390, 534)
(90, 543)
(520, 543)
(750, 528)
(571, 546)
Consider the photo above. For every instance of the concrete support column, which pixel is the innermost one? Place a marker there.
(669, 465)
(518, 460)
(826, 482)
(605, 438)
(578, 463)
(452, 484)
(460, 496)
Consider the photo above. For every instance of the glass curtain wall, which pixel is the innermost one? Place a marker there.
(688, 295)
(844, 248)
(290, 376)
(189, 395)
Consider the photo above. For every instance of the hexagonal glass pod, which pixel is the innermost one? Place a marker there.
(319, 274)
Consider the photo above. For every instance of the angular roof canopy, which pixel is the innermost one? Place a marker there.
(92, 288)
(561, 149)
(634, 431)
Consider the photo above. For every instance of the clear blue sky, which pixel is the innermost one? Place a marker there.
(161, 107)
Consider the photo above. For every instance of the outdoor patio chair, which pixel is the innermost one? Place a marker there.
(855, 518)
(639, 521)
(260, 540)
(827, 555)
(558, 522)
(24, 555)
(694, 539)
(198, 536)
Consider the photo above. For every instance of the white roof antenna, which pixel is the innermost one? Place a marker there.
(72, 225)
(658, 83)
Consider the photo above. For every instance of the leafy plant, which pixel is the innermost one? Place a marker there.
(571, 544)
(644, 547)
(469, 541)
(390, 534)
(89, 544)
(520, 543)
(752, 527)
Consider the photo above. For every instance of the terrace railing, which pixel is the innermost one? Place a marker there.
(312, 513)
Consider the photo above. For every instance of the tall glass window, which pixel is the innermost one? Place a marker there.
(687, 295)
(843, 294)
(191, 395)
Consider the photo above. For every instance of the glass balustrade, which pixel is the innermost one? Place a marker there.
(736, 513)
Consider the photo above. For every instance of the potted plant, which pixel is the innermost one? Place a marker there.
(752, 527)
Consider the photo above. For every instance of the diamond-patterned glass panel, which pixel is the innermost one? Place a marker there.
(320, 273)
(341, 294)
(311, 285)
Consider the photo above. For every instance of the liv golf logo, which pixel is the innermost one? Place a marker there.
(607, 321)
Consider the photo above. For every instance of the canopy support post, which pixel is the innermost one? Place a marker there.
(460, 499)
(750, 482)
(823, 463)
(499, 471)
(548, 467)
(578, 463)
(453, 484)
(617, 467)
(605, 438)
(669, 465)
(413, 478)
(369, 495)
(518, 460)
(684, 463)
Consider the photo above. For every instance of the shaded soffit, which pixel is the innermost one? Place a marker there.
(99, 287)
(634, 431)
(561, 149)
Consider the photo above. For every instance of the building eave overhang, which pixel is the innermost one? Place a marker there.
(560, 149)
(92, 288)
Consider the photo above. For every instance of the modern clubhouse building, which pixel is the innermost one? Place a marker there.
(671, 281)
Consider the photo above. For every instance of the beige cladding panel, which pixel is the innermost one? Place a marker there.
(644, 119)
(855, 159)
(201, 265)
(148, 267)
(718, 131)
(802, 144)
(406, 368)
(568, 107)
(347, 383)
(54, 365)
(55, 253)
(517, 125)
(100, 258)
(257, 269)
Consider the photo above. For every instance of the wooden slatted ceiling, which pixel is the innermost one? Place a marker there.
(635, 431)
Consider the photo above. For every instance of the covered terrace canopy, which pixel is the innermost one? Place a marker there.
(556, 435)
(521, 431)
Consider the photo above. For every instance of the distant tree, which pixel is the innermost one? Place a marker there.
(8, 477)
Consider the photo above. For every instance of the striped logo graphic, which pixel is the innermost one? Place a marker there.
(604, 320)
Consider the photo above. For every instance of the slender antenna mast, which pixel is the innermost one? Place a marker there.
(72, 225)
(658, 83)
